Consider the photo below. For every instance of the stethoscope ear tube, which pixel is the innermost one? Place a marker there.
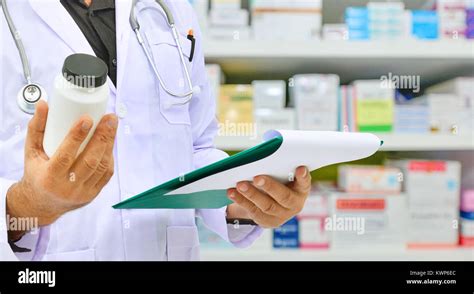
(167, 11)
(18, 42)
(133, 18)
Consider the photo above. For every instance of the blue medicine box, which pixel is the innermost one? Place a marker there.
(425, 24)
(287, 235)
(357, 12)
(357, 21)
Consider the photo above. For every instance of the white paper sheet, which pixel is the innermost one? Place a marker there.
(313, 149)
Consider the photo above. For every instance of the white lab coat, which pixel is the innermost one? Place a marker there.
(154, 143)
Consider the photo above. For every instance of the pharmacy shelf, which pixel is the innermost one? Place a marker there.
(461, 254)
(433, 61)
(442, 49)
(392, 142)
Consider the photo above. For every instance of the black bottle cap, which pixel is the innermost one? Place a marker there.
(85, 70)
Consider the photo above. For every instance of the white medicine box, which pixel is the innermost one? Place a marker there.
(269, 94)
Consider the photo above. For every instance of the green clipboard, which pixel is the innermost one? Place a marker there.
(157, 198)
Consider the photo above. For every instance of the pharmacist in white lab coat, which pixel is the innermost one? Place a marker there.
(141, 146)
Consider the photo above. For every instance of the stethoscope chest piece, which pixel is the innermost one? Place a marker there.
(29, 96)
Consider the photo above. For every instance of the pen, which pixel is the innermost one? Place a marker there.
(193, 44)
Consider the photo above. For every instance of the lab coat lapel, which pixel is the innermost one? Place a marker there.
(122, 13)
(58, 19)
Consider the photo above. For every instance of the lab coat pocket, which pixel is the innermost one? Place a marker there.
(80, 255)
(168, 63)
(182, 243)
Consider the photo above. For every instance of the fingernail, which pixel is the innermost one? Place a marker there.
(112, 122)
(231, 195)
(305, 172)
(260, 182)
(243, 187)
(86, 125)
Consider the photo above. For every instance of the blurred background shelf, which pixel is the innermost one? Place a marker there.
(262, 83)
(434, 61)
(446, 49)
(392, 142)
(373, 254)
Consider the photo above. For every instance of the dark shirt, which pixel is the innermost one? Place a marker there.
(97, 23)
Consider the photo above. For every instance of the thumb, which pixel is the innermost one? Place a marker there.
(302, 182)
(36, 127)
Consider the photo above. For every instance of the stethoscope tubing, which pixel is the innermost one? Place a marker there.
(18, 42)
(187, 96)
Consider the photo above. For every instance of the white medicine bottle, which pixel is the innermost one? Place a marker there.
(80, 89)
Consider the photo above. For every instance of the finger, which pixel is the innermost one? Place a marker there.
(66, 154)
(105, 167)
(302, 182)
(263, 201)
(36, 127)
(95, 184)
(102, 174)
(283, 195)
(93, 155)
(255, 213)
(104, 179)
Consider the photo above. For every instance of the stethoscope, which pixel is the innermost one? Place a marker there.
(187, 96)
(32, 92)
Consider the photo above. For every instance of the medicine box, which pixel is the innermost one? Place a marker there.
(316, 99)
(424, 24)
(369, 179)
(411, 118)
(374, 105)
(430, 182)
(470, 23)
(216, 78)
(229, 17)
(452, 18)
(467, 200)
(357, 21)
(269, 94)
(433, 191)
(347, 110)
(466, 229)
(226, 4)
(312, 234)
(287, 235)
(448, 113)
(386, 20)
(466, 232)
(462, 87)
(335, 32)
(361, 221)
(229, 33)
(286, 20)
(274, 119)
(228, 21)
(235, 105)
